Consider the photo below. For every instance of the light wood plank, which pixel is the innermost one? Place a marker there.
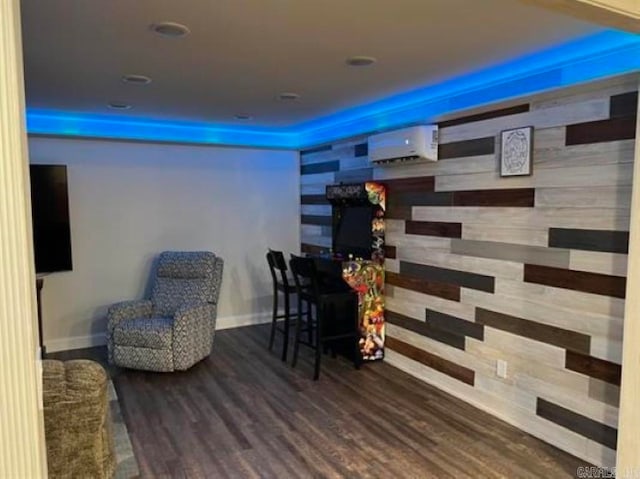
(523, 236)
(354, 162)
(585, 91)
(594, 197)
(427, 243)
(505, 410)
(597, 262)
(392, 265)
(450, 166)
(547, 217)
(324, 241)
(555, 257)
(591, 154)
(313, 189)
(317, 179)
(525, 348)
(316, 210)
(393, 226)
(556, 116)
(586, 176)
(555, 378)
(509, 392)
(413, 304)
(596, 410)
(564, 298)
(546, 313)
(443, 259)
(441, 349)
(320, 157)
(605, 348)
(311, 230)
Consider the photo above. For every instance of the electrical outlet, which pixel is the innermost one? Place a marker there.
(501, 368)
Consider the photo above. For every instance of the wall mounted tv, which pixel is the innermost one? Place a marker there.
(50, 213)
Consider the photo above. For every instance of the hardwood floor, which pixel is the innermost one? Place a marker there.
(243, 413)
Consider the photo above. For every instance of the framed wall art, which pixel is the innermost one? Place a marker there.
(515, 152)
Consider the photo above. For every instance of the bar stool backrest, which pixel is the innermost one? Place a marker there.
(278, 267)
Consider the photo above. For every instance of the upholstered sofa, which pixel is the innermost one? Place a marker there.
(174, 329)
(78, 429)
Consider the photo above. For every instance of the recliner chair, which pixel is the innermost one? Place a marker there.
(174, 329)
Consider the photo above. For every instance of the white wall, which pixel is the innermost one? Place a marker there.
(130, 201)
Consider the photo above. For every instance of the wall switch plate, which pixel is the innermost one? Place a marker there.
(501, 368)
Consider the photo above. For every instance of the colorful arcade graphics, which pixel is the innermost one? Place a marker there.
(363, 274)
(367, 278)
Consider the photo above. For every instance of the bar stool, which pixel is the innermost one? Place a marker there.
(336, 313)
(278, 269)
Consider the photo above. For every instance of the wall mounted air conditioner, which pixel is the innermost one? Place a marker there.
(414, 143)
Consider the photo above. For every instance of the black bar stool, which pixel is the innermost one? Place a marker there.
(278, 269)
(336, 313)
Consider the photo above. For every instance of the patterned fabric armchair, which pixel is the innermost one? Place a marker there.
(175, 328)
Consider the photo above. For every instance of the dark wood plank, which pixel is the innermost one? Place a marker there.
(431, 360)
(398, 212)
(487, 115)
(614, 129)
(516, 197)
(530, 329)
(361, 149)
(389, 251)
(594, 367)
(421, 198)
(594, 430)
(316, 149)
(464, 148)
(316, 220)
(312, 249)
(451, 324)
(590, 240)
(480, 282)
(433, 228)
(625, 104)
(415, 184)
(433, 288)
(244, 413)
(595, 283)
(324, 167)
(423, 328)
(313, 200)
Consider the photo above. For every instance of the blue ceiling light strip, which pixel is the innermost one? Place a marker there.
(601, 55)
(60, 123)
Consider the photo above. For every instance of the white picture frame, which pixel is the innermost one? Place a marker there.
(516, 147)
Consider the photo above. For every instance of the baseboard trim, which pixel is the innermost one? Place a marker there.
(75, 342)
(229, 322)
(81, 342)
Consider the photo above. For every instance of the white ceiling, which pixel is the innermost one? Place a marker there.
(242, 53)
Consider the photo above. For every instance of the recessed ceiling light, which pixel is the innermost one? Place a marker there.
(289, 96)
(360, 61)
(170, 29)
(136, 79)
(116, 105)
(243, 117)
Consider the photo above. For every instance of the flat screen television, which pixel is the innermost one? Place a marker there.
(352, 230)
(50, 214)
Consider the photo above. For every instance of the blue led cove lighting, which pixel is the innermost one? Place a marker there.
(601, 55)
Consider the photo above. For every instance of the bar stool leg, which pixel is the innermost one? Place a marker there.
(287, 321)
(296, 341)
(274, 319)
(320, 310)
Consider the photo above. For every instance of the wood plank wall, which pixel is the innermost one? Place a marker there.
(529, 270)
